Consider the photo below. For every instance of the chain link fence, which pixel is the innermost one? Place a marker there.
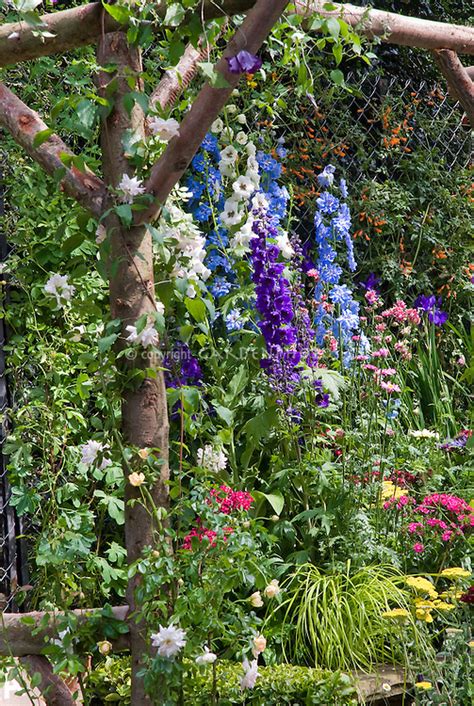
(371, 132)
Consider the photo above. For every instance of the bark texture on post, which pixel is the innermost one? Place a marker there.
(459, 82)
(24, 124)
(132, 294)
(52, 688)
(207, 106)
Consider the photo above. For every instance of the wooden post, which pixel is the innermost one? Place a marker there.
(132, 294)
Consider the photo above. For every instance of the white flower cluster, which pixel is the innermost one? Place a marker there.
(188, 242)
(59, 287)
(212, 458)
(130, 187)
(148, 336)
(90, 452)
(165, 130)
(236, 208)
(246, 197)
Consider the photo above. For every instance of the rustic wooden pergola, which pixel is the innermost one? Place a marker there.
(132, 287)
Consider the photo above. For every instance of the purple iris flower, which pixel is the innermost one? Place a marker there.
(437, 317)
(425, 303)
(372, 282)
(432, 305)
(244, 63)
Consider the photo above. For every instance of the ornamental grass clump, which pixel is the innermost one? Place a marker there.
(338, 620)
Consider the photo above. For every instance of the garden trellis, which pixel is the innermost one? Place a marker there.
(132, 286)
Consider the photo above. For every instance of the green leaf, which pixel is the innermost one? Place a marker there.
(86, 112)
(120, 13)
(276, 500)
(73, 242)
(337, 52)
(124, 212)
(224, 413)
(334, 27)
(106, 343)
(83, 386)
(337, 76)
(196, 308)
(42, 136)
(174, 15)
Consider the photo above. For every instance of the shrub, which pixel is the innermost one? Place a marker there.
(276, 684)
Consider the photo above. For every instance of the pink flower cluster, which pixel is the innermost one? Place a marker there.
(203, 533)
(402, 313)
(439, 516)
(230, 500)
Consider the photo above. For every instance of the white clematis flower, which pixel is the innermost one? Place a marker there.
(169, 641)
(90, 452)
(164, 129)
(130, 187)
(147, 337)
(250, 674)
(206, 658)
(59, 287)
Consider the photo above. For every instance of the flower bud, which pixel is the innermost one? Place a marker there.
(104, 647)
(256, 599)
(272, 590)
(259, 645)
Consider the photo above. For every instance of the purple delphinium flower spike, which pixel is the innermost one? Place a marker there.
(244, 63)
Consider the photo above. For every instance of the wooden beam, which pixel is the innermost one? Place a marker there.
(459, 82)
(19, 638)
(24, 125)
(396, 29)
(52, 688)
(177, 79)
(85, 24)
(82, 25)
(207, 106)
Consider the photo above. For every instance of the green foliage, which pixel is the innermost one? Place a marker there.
(335, 621)
(109, 682)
